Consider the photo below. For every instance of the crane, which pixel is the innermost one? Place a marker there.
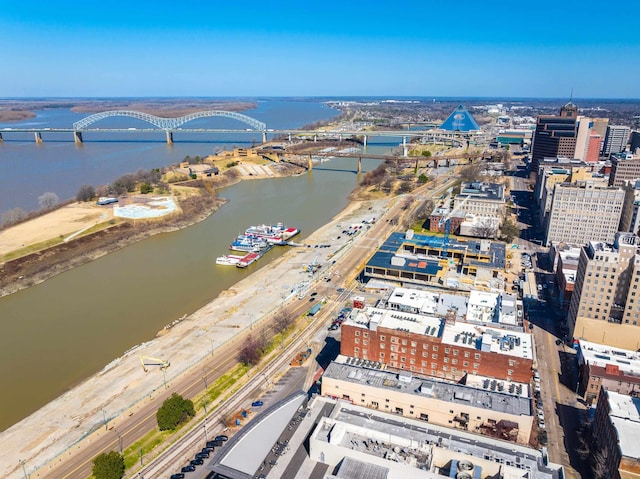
(446, 221)
(163, 363)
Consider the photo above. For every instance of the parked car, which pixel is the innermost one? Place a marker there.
(179, 475)
(221, 437)
(189, 468)
(197, 462)
(257, 404)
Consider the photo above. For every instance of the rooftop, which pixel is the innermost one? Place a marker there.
(601, 355)
(480, 190)
(482, 338)
(416, 449)
(374, 318)
(494, 250)
(486, 398)
(625, 416)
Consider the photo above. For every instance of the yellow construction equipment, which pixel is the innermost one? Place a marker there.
(164, 364)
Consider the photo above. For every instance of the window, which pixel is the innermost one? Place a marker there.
(357, 341)
(382, 338)
(365, 334)
(413, 344)
(404, 342)
(446, 350)
(434, 356)
(357, 333)
(477, 355)
(435, 348)
(512, 362)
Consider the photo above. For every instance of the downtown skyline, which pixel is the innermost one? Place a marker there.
(285, 48)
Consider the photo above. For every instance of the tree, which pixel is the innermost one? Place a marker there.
(426, 153)
(485, 228)
(282, 321)
(387, 185)
(145, 188)
(422, 179)
(405, 186)
(86, 193)
(47, 200)
(12, 217)
(470, 172)
(174, 411)
(108, 465)
(251, 351)
(508, 230)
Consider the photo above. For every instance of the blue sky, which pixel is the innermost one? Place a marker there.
(286, 48)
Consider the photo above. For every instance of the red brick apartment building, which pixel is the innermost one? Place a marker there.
(430, 346)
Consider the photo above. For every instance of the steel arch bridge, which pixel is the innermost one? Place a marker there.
(169, 123)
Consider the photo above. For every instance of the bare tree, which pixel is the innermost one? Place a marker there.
(282, 321)
(423, 211)
(47, 200)
(86, 193)
(471, 172)
(485, 228)
(13, 217)
(251, 351)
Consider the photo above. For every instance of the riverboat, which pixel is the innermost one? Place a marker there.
(248, 244)
(247, 260)
(228, 260)
(277, 234)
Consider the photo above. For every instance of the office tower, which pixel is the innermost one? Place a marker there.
(605, 304)
(555, 135)
(616, 139)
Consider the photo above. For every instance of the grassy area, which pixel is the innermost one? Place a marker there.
(34, 248)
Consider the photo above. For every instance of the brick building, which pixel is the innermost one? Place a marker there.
(432, 346)
(615, 369)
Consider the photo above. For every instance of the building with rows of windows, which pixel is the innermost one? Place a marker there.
(437, 347)
(605, 304)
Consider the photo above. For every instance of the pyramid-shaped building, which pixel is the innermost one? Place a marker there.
(460, 120)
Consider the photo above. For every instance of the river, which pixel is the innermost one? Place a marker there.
(58, 333)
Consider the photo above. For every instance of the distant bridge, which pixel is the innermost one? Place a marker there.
(173, 125)
(170, 123)
(434, 161)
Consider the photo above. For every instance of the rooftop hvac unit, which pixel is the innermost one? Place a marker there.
(409, 234)
(465, 465)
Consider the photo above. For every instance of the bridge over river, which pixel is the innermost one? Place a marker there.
(172, 126)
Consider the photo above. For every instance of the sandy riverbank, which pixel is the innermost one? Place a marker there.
(122, 385)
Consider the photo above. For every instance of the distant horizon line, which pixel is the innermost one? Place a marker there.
(323, 97)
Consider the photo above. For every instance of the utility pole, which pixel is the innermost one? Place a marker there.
(104, 418)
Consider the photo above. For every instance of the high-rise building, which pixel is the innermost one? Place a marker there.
(594, 148)
(600, 126)
(555, 135)
(585, 211)
(605, 304)
(635, 142)
(624, 167)
(582, 137)
(616, 139)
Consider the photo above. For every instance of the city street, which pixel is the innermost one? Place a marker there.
(556, 362)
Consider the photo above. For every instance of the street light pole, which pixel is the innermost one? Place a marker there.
(104, 418)
(22, 463)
